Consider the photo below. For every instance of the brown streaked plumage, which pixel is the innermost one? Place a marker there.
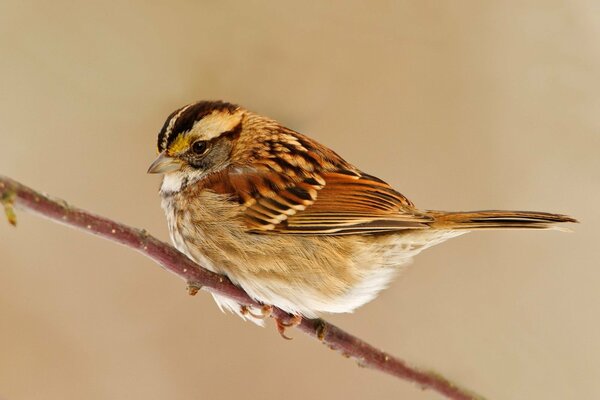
(288, 219)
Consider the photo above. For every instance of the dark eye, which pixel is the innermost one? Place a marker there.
(199, 147)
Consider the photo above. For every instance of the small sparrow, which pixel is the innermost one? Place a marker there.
(290, 221)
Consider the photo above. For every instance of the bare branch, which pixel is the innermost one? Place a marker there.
(15, 194)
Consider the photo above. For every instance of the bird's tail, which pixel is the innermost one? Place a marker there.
(497, 219)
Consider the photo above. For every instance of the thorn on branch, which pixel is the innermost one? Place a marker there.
(63, 203)
(8, 201)
(193, 288)
(144, 238)
(321, 329)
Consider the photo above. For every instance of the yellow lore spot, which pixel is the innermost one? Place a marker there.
(180, 144)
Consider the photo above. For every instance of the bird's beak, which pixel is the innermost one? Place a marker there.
(164, 164)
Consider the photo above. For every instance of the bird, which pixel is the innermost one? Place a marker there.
(289, 220)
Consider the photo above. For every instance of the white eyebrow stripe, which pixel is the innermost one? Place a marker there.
(214, 124)
(171, 124)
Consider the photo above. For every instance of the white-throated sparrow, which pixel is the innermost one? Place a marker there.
(288, 219)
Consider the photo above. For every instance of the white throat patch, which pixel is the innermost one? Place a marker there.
(176, 181)
(172, 182)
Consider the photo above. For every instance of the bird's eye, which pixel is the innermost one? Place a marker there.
(199, 147)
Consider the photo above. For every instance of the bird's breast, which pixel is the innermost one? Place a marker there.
(204, 225)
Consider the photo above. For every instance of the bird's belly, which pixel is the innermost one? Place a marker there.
(300, 274)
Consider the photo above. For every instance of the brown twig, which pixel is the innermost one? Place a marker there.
(15, 194)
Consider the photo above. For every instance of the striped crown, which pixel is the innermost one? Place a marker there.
(183, 119)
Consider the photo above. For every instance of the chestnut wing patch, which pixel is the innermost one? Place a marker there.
(267, 197)
(324, 203)
(273, 203)
(354, 203)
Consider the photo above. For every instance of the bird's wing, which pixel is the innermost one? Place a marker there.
(337, 202)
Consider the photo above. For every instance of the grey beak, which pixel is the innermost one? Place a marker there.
(164, 164)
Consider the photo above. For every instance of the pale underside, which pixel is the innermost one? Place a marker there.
(301, 274)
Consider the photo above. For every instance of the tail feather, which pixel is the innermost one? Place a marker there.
(497, 219)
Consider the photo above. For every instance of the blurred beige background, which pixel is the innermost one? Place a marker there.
(458, 104)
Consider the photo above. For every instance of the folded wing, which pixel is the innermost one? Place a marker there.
(338, 202)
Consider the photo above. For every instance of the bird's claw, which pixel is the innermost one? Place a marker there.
(292, 321)
(265, 312)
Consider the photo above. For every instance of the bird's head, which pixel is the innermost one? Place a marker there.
(196, 140)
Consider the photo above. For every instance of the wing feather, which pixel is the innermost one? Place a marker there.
(327, 203)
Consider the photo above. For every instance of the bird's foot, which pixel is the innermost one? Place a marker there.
(282, 325)
(265, 312)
